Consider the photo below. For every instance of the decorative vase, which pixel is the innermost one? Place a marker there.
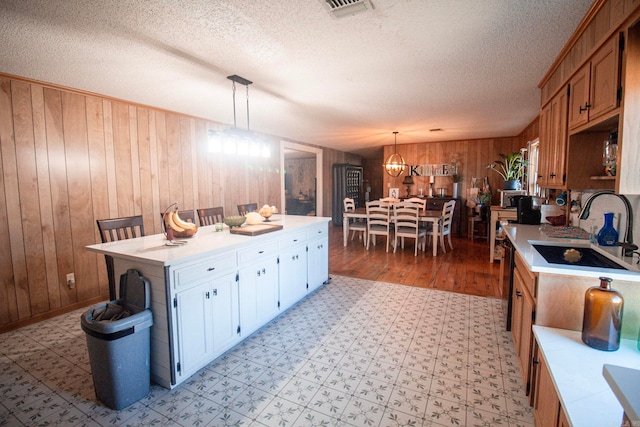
(510, 185)
(602, 316)
(454, 191)
(608, 236)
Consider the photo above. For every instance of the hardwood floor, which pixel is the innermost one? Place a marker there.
(465, 269)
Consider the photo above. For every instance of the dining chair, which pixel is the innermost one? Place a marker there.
(378, 222)
(444, 226)
(211, 216)
(186, 215)
(246, 208)
(390, 200)
(354, 223)
(417, 200)
(407, 224)
(115, 229)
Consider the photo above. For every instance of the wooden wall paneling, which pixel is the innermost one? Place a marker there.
(76, 144)
(110, 159)
(13, 271)
(36, 294)
(99, 181)
(153, 170)
(174, 160)
(187, 163)
(165, 198)
(122, 159)
(150, 217)
(135, 161)
(196, 139)
(44, 197)
(203, 160)
(59, 191)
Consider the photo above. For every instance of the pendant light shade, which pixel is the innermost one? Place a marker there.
(395, 164)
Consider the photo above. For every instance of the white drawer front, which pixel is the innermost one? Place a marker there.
(293, 239)
(212, 267)
(320, 230)
(257, 254)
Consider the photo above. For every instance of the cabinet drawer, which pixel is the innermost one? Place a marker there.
(293, 239)
(257, 254)
(211, 267)
(317, 231)
(529, 278)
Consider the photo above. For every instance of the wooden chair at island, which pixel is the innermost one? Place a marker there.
(211, 216)
(115, 229)
(246, 208)
(355, 225)
(378, 222)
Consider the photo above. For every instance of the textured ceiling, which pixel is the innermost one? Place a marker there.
(469, 67)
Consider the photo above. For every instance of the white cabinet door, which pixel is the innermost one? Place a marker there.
(317, 263)
(258, 295)
(195, 328)
(293, 276)
(208, 322)
(226, 319)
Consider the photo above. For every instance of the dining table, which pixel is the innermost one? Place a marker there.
(427, 216)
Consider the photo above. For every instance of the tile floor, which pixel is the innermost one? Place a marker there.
(355, 353)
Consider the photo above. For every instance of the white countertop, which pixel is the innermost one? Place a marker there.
(625, 383)
(577, 372)
(523, 236)
(153, 249)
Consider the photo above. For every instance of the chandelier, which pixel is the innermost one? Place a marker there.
(395, 164)
(238, 141)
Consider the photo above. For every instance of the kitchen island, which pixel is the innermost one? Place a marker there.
(209, 294)
(547, 311)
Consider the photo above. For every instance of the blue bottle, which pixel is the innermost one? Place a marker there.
(608, 236)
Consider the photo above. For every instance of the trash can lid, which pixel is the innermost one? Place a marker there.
(135, 290)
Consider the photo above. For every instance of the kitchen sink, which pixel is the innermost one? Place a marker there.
(587, 256)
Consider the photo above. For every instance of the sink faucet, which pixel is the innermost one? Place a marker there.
(627, 247)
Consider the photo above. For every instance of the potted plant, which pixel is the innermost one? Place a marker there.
(511, 168)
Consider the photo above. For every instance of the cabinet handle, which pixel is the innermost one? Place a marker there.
(264, 271)
(553, 175)
(258, 273)
(211, 268)
(260, 252)
(215, 292)
(585, 108)
(518, 294)
(207, 295)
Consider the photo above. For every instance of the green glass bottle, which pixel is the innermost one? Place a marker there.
(602, 316)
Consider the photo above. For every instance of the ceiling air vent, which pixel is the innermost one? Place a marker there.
(343, 8)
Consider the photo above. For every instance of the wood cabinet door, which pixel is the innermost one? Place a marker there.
(516, 312)
(545, 144)
(546, 404)
(558, 127)
(579, 99)
(526, 340)
(604, 79)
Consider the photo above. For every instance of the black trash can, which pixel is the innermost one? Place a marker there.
(118, 339)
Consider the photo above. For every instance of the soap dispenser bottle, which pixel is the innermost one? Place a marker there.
(602, 316)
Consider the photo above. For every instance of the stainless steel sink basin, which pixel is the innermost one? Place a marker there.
(588, 257)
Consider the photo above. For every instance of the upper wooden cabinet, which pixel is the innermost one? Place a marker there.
(553, 142)
(595, 87)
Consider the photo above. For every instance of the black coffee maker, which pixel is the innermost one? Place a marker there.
(526, 213)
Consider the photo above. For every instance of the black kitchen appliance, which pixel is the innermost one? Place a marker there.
(526, 213)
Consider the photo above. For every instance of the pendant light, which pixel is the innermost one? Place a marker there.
(238, 141)
(395, 164)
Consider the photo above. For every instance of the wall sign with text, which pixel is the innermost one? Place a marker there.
(436, 169)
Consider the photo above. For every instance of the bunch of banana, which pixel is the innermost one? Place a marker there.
(180, 227)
